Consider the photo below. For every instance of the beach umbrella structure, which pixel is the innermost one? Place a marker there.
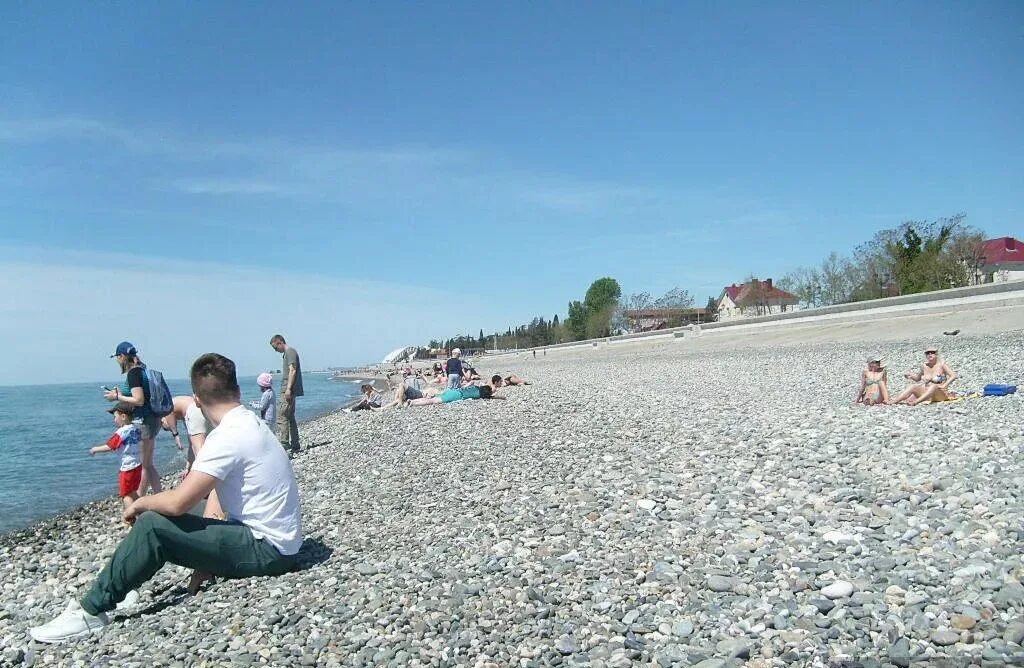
(405, 354)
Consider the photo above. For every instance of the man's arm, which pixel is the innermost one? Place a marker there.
(197, 441)
(291, 381)
(173, 502)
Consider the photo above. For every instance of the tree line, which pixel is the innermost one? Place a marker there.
(917, 256)
(601, 312)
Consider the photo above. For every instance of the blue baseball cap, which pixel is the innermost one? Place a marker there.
(125, 348)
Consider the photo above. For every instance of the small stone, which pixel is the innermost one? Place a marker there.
(838, 589)
(822, 604)
(720, 583)
(646, 504)
(899, 653)
(1014, 633)
(944, 637)
(734, 648)
(1011, 593)
(962, 622)
(682, 628)
(566, 645)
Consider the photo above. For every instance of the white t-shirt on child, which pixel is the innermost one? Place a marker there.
(255, 485)
(127, 440)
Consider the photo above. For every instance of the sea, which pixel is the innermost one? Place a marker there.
(46, 432)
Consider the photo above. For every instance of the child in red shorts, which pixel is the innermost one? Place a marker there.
(127, 439)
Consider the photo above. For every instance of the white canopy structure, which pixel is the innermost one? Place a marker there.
(401, 355)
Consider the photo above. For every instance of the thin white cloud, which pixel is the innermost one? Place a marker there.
(416, 176)
(62, 312)
(228, 187)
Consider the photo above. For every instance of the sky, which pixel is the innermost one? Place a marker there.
(362, 176)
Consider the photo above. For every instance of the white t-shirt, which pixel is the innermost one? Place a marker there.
(255, 482)
(196, 422)
(127, 439)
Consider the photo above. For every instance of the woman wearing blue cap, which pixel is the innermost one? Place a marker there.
(135, 392)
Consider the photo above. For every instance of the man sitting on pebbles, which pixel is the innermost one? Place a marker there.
(260, 530)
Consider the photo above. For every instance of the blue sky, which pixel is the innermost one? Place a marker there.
(358, 176)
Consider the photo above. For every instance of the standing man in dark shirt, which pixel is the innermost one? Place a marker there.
(291, 387)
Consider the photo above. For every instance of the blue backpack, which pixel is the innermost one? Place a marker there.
(161, 402)
(997, 390)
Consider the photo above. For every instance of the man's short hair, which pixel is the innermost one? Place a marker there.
(496, 379)
(214, 380)
(277, 338)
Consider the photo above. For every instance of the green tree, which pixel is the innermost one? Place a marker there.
(599, 306)
(576, 322)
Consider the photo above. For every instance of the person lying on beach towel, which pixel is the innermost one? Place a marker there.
(930, 382)
(246, 473)
(874, 384)
(467, 392)
(513, 379)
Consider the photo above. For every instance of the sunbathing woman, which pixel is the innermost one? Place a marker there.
(931, 382)
(874, 384)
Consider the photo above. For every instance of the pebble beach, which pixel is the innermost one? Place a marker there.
(663, 504)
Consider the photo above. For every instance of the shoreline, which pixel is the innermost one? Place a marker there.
(168, 480)
(710, 516)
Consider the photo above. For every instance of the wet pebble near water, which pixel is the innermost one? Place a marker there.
(648, 506)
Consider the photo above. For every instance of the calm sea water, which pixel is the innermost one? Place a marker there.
(46, 432)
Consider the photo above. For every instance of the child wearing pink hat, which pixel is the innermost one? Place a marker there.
(267, 404)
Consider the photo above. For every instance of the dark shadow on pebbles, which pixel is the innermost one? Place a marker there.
(313, 553)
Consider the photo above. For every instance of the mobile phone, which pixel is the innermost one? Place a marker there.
(104, 387)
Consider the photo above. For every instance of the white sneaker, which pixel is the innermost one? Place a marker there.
(73, 623)
(129, 601)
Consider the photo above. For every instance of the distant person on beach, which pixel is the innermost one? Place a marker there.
(135, 393)
(410, 388)
(438, 371)
(291, 388)
(372, 400)
(196, 426)
(266, 405)
(454, 370)
(874, 384)
(513, 379)
(246, 473)
(930, 382)
(127, 439)
(468, 392)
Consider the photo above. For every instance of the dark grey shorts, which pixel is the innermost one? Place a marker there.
(149, 426)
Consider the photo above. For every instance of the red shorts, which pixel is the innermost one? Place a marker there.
(129, 481)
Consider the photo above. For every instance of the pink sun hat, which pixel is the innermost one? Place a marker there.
(264, 380)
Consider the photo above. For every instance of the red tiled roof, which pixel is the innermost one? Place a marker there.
(763, 292)
(1002, 251)
(733, 291)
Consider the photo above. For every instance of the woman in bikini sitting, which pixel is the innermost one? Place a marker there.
(874, 384)
(931, 382)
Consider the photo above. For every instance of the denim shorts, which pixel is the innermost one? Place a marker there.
(149, 425)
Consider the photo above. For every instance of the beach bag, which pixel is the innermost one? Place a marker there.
(161, 402)
(997, 390)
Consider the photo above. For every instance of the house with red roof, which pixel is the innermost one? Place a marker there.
(1003, 260)
(754, 298)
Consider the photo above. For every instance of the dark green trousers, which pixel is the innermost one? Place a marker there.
(227, 549)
